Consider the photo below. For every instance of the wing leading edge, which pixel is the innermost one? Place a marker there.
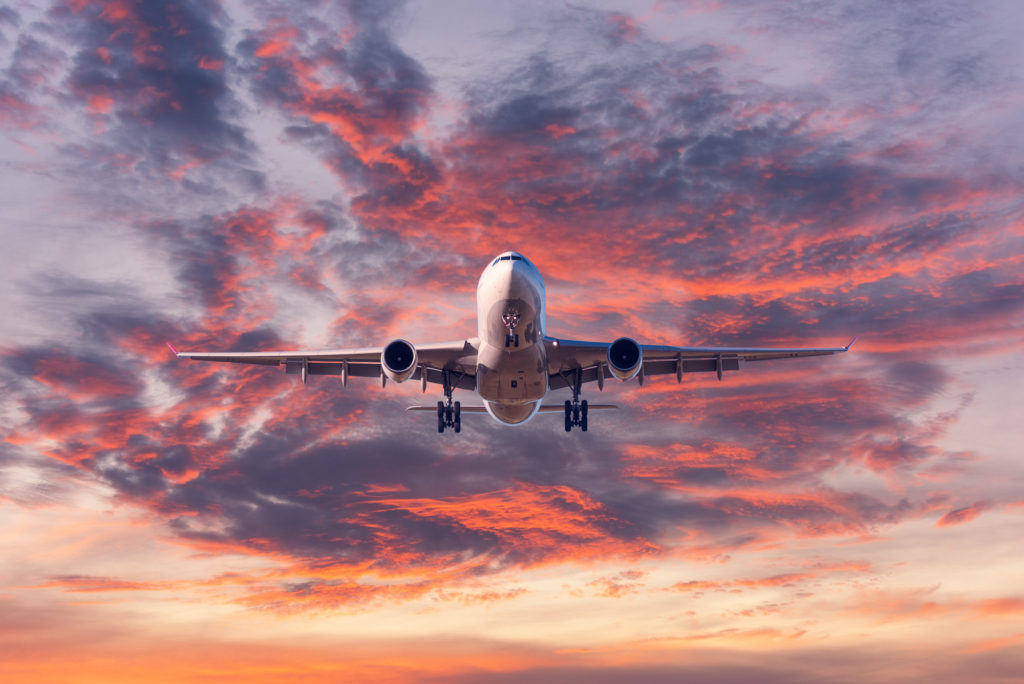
(591, 359)
(546, 408)
(432, 360)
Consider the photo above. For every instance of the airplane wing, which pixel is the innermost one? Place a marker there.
(546, 408)
(591, 359)
(432, 360)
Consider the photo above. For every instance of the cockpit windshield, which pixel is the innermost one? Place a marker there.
(510, 257)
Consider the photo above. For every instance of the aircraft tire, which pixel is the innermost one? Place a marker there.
(583, 415)
(568, 416)
(440, 416)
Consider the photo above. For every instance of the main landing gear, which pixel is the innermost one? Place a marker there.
(575, 414)
(576, 410)
(449, 413)
(449, 416)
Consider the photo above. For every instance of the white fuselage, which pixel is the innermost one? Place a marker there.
(512, 375)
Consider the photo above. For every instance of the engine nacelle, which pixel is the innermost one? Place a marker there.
(398, 360)
(625, 357)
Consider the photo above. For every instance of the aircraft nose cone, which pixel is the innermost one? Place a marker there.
(510, 270)
(510, 278)
(519, 275)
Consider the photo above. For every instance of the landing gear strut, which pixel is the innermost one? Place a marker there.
(511, 320)
(449, 413)
(576, 410)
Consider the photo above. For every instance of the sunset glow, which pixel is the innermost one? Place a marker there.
(266, 174)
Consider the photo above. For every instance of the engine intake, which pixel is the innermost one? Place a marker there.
(398, 360)
(625, 358)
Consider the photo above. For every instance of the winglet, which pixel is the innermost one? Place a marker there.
(851, 342)
(172, 348)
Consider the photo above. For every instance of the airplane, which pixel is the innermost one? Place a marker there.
(512, 363)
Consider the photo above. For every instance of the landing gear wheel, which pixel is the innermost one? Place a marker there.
(576, 411)
(449, 413)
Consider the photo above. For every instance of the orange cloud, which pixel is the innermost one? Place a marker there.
(962, 515)
(536, 523)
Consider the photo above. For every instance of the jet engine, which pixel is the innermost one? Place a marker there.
(625, 358)
(398, 360)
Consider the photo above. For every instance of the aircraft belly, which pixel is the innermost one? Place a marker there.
(512, 414)
(511, 377)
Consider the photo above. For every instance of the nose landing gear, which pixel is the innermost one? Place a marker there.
(511, 320)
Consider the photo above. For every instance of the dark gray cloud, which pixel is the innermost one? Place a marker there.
(9, 16)
(361, 126)
(150, 80)
(155, 47)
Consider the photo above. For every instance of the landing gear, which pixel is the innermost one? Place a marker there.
(576, 410)
(576, 414)
(511, 320)
(449, 413)
(449, 416)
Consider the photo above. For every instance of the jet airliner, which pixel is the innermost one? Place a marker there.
(512, 363)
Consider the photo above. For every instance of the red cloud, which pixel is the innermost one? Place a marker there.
(82, 380)
(812, 573)
(534, 522)
(16, 112)
(963, 515)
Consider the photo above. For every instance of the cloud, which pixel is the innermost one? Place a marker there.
(146, 98)
(676, 189)
(154, 67)
(355, 97)
(959, 516)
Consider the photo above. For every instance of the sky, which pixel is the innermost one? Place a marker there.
(264, 174)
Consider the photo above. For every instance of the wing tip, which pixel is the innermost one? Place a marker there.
(850, 344)
(171, 347)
